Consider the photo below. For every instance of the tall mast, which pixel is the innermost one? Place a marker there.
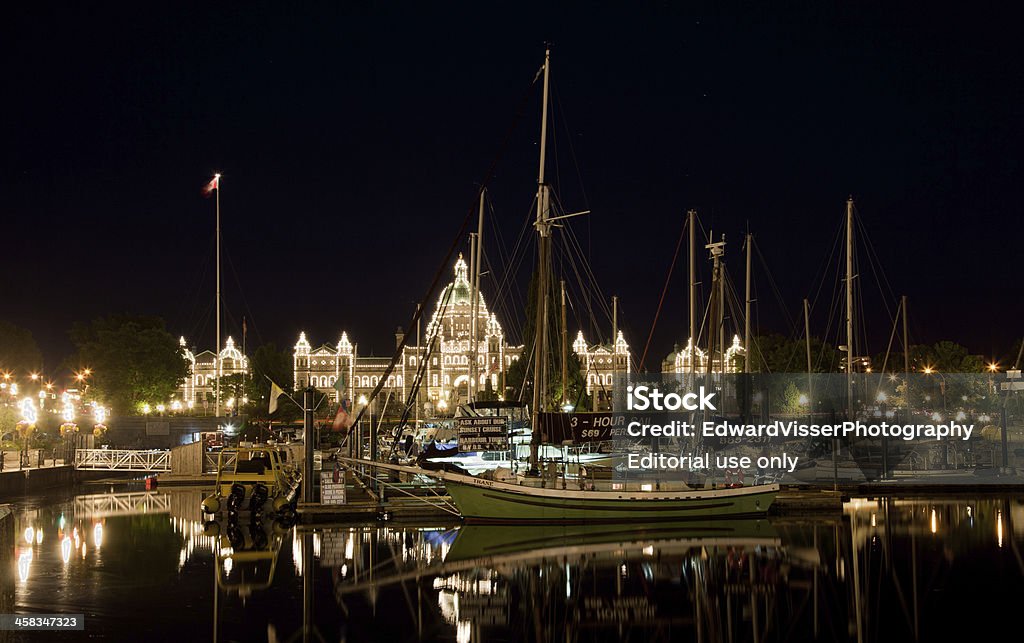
(807, 344)
(420, 356)
(217, 362)
(544, 233)
(906, 356)
(721, 309)
(565, 351)
(474, 330)
(717, 252)
(850, 353)
(746, 311)
(692, 214)
(615, 342)
(471, 358)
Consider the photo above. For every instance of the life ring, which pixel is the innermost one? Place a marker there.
(733, 478)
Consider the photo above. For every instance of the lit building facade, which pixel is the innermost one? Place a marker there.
(447, 349)
(600, 363)
(200, 386)
(679, 361)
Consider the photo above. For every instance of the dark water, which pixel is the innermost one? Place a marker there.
(139, 566)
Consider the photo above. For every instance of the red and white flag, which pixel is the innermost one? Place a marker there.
(214, 184)
(343, 419)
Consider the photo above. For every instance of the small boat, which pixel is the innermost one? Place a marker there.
(259, 473)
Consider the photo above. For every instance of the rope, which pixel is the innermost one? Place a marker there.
(661, 300)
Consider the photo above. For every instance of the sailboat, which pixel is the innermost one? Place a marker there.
(527, 499)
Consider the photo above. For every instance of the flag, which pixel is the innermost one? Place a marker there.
(275, 392)
(343, 419)
(214, 184)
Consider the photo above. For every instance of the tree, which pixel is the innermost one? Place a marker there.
(270, 364)
(134, 360)
(777, 354)
(18, 349)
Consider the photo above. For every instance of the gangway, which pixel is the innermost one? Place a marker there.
(123, 459)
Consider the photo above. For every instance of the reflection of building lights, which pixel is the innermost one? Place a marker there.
(228, 564)
(344, 570)
(935, 522)
(83, 551)
(30, 535)
(647, 486)
(97, 535)
(24, 562)
(349, 547)
(873, 523)
(65, 549)
(39, 536)
(464, 632)
(999, 528)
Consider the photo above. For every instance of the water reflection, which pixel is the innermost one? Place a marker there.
(893, 569)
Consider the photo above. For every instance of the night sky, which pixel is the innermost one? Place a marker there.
(352, 141)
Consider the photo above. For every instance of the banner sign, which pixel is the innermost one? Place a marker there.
(482, 433)
(558, 428)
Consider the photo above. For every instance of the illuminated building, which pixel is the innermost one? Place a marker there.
(599, 363)
(447, 373)
(200, 385)
(679, 360)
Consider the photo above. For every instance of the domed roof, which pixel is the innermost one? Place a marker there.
(461, 292)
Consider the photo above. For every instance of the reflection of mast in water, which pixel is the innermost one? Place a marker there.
(580, 582)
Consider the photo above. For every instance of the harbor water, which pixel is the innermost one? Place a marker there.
(143, 565)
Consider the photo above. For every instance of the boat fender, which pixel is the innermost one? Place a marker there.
(211, 504)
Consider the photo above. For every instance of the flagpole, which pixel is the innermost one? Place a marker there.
(216, 178)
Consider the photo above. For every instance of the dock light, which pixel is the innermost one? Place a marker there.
(34, 377)
(99, 414)
(362, 401)
(881, 397)
(14, 388)
(936, 417)
(567, 408)
(146, 409)
(993, 367)
(803, 399)
(160, 408)
(175, 405)
(190, 404)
